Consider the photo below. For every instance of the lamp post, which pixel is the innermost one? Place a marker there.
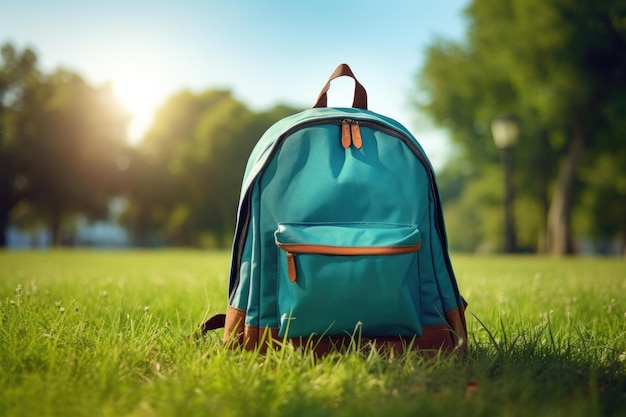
(505, 130)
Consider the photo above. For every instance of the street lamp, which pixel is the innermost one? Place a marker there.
(505, 130)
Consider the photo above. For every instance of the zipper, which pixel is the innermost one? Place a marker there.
(351, 134)
(346, 135)
(291, 249)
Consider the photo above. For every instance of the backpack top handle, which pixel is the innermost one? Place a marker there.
(360, 95)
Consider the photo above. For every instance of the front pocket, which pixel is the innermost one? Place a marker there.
(333, 277)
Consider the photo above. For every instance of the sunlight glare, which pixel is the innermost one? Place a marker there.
(138, 91)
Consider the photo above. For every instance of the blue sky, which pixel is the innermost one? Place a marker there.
(266, 52)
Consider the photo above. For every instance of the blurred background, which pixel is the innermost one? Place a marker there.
(128, 124)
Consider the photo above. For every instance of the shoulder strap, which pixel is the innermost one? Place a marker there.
(215, 322)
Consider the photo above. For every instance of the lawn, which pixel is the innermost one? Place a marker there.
(98, 333)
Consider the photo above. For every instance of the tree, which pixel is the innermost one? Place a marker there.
(602, 211)
(66, 139)
(557, 64)
(165, 186)
(17, 72)
(226, 137)
(196, 152)
(147, 184)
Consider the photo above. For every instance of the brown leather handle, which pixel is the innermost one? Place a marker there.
(360, 95)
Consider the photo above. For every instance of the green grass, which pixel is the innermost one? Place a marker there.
(91, 333)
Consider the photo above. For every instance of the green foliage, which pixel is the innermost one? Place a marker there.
(603, 202)
(559, 66)
(62, 153)
(470, 230)
(104, 333)
(197, 151)
(474, 214)
(62, 141)
(17, 70)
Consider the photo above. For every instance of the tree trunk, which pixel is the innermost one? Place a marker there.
(543, 194)
(55, 228)
(4, 225)
(559, 215)
(509, 244)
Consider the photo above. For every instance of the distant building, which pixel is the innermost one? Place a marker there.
(102, 233)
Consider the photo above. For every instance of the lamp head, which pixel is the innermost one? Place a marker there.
(505, 130)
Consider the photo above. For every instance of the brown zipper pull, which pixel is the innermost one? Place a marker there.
(356, 136)
(291, 266)
(346, 140)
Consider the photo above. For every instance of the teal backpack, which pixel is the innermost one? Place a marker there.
(340, 238)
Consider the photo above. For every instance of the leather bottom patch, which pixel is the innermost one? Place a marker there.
(449, 338)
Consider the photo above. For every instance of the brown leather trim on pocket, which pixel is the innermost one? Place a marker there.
(347, 250)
